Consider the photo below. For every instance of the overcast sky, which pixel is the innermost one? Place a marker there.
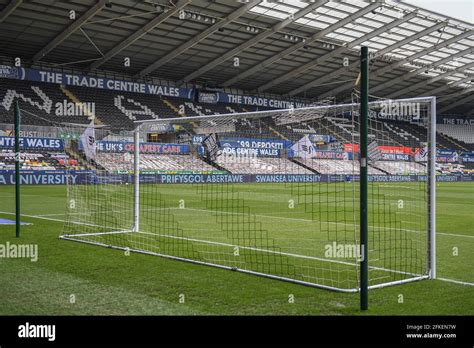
(461, 9)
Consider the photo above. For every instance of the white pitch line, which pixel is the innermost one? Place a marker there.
(454, 235)
(455, 281)
(44, 217)
(336, 261)
(51, 219)
(317, 221)
(61, 214)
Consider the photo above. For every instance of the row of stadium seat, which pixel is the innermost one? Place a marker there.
(119, 110)
(325, 166)
(38, 161)
(400, 168)
(123, 161)
(464, 133)
(260, 165)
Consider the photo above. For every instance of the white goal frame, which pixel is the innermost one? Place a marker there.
(431, 187)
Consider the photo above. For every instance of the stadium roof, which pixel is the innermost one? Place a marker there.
(291, 47)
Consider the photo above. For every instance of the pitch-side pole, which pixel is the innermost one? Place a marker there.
(136, 184)
(17, 169)
(432, 190)
(364, 113)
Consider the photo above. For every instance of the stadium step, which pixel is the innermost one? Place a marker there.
(452, 141)
(82, 161)
(172, 107)
(380, 169)
(277, 133)
(304, 166)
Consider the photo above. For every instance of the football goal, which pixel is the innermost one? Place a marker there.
(274, 193)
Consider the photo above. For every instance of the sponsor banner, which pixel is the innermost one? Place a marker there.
(447, 156)
(331, 155)
(208, 97)
(395, 157)
(32, 143)
(253, 143)
(259, 101)
(336, 146)
(9, 72)
(246, 152)
(197, 139)
(319, 138)
(45, 177)
(253, 147)
(117, 146)
(440, 152)
(93, 82)
(445, 159)
(467, 157)
(460, 120)
(172, 171)
(395, 149)
(37, 75)
(236, 178)
(351, 148)
(160, 128)
(59, 177)
(382, 148)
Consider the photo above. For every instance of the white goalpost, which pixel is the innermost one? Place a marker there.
(273, 193)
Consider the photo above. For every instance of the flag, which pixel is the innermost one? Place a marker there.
(373, 151)
(303, 148)
(422, 155)
(88, 141)
(455, 157)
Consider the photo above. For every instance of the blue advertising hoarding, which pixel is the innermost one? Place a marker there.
(32, 143)
(93, 82)
(158, 148)
(78, 177)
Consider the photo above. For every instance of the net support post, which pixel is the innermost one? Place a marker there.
(17, 170)
(364, 114)
(432, 191)
(136, 179)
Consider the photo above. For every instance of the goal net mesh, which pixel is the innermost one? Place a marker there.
(273, 193)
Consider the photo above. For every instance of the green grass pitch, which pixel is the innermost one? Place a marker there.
(74, 278)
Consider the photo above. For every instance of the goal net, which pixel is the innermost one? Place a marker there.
(272, 193)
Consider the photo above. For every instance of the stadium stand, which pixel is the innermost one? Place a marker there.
(119, 109)
(463, 134)
(450, 168)
(123, 161)
(401, 168)
(38, 161)
(326, 166)
(38, 99)
(260, 165)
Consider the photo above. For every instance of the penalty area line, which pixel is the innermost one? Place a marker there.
(61, 220)
(455, 281)
(45, 217)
